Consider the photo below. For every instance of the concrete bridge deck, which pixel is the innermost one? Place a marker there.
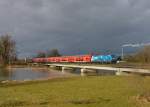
(118, 71)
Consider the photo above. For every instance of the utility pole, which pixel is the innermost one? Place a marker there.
(25, 60)
(122, 51)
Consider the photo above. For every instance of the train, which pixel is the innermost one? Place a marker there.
(79, 59)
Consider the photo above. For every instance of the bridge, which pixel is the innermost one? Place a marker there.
(93, 69)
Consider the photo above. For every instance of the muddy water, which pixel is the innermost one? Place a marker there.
(43, 73)
(29, 74)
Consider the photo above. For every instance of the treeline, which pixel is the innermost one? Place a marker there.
(41, 54)
(143, 56)
(8, 52)
(49, 53)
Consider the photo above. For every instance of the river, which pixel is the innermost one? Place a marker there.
(29, 74)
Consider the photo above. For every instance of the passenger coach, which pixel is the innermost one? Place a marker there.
(79, 59)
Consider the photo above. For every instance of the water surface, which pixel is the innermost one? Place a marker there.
(44, 73)
(28, 74)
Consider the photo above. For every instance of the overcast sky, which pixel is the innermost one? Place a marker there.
(75, 26)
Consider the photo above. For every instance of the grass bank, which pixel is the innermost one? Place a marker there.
(108, 91)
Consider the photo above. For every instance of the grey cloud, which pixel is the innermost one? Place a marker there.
(75, 26)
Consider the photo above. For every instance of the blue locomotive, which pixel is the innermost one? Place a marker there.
(105, 58)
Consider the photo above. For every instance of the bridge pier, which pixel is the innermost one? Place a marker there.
(53, 67)
(123, 73)
(67, 69)
(119, 73)
(85, 72)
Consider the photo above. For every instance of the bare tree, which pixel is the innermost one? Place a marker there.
(142, 56)
(7, 49)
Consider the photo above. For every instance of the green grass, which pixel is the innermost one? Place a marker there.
(108, 91)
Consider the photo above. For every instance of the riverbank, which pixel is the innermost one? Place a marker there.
(106, 91)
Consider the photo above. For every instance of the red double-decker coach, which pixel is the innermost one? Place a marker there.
(77, 58)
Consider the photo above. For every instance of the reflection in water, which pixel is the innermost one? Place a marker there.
(27, 74)
(43, 73)
(4, 74)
